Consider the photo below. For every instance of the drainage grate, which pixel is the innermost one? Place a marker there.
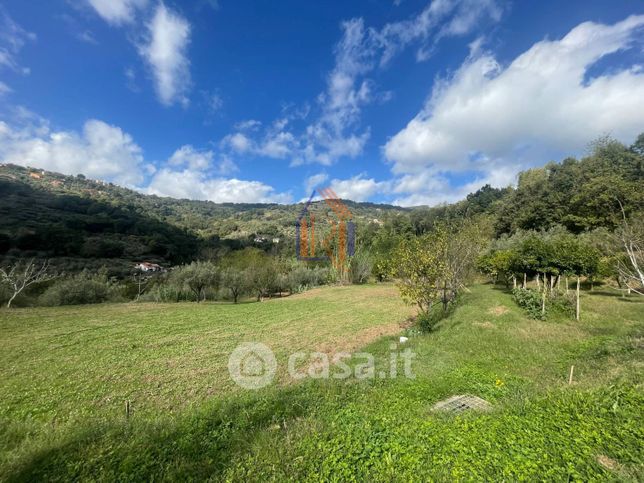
(463, 402)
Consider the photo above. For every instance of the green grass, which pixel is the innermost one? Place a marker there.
(67, 372)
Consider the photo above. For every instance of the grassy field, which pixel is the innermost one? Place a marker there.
(65, 374)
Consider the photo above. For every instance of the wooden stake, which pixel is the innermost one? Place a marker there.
(127, 409)
(572, 369)
(577, 314)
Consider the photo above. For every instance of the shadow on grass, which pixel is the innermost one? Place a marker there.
(199, 445)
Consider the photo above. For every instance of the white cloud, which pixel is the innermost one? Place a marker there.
(215, 102)
(489, 117)
(187, 155)
(313, 182)
(336, 131)
(226, 166)
(194, 185)
(12, 39)
(117, 12)
(358, 188)
(238, 142)
(106, 152)
(4, 89)
(165, 52)
(441, 18)
(248, 125)
(100, 151)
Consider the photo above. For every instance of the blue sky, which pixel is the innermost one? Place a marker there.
(406, 102)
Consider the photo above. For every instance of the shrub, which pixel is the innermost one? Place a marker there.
(563, 304)
(529, 300)
(82, 288)
(360, 268)
(427, 321)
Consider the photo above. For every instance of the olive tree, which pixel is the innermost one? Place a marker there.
(19, 276)
(197, 277)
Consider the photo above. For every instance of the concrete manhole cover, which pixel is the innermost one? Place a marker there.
(463, 402)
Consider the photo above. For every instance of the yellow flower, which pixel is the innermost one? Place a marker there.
(499, 383)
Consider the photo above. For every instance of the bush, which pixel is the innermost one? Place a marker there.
(83, 288)
(529, 300)
(360, 268)
(427, 321)
(563, 304)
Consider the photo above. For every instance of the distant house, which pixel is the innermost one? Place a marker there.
(276, 240)
(149, 267)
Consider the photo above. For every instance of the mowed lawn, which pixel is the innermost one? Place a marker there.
(67, 372)
(69, 362)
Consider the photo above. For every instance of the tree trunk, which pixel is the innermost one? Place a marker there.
(578, 307)
(11, 299)
(566, 280)
(525, 280)
(536, 279)
(514, 282)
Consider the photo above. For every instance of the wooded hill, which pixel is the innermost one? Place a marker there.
(80, 222)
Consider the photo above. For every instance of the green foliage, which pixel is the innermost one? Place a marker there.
(360, 267)
(579, 195)
(197, 277)
(418, 267)
(530, 300)
(82, 288)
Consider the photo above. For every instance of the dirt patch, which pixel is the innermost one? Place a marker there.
(354, 342)
(360, 339)
(498, 310)
(608, 463)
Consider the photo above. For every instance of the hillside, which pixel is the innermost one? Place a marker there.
(47, 214)
(79, 222)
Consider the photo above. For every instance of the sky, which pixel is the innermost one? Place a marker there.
(405, 102)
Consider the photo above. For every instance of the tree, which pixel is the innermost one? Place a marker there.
(141, 280)
(19, 278)
(497, 264)
(234, 280)
(262, 278)
(198, 276)
(631, 266)
(466, 240)
(418, 266)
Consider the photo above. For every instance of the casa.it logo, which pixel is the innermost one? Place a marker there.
(333, 226)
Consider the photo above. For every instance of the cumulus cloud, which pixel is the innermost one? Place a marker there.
(99, 151)
(189, 156)
(168, 36)
(106, 152)
(358, 188)
(335, 131)
(195, 185)
(117, 12)
(490, 116)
